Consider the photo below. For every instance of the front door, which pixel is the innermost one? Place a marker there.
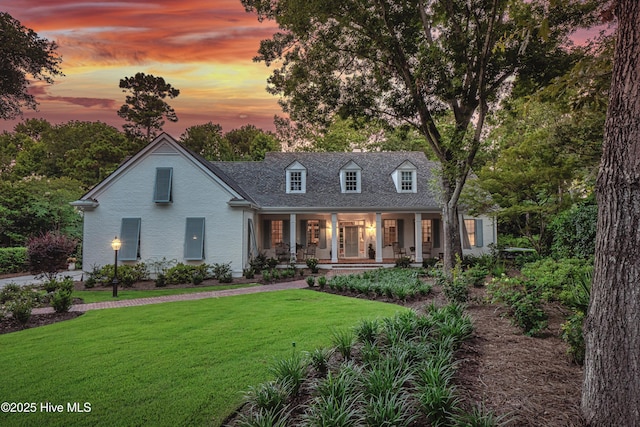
(351, 241)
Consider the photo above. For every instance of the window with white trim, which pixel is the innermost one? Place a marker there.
(406, 180)
(130, 238)
(470, 225)
(296, 178)
(390, 232)
(351, 178)
(194, 239)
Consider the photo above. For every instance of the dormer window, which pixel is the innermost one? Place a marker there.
(350, 178)
(406, 181)
(404, 178)
(296, 178)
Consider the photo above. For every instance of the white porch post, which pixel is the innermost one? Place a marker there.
(292, 236)
(334, 238)
(418, 237)
(379, 232)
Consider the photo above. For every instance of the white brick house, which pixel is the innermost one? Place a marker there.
(167, 202)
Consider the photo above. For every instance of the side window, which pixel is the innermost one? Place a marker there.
(130, 237)
(194, 239)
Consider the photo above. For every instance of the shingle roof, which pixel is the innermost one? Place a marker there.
(264, 182)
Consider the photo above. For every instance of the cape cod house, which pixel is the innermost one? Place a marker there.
(168, 202)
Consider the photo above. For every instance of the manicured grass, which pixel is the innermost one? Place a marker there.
(182, 363)
(90, 296)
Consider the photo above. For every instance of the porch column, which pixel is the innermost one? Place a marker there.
(418, 237)
(379, 232)
(334, 238)
(292, 236)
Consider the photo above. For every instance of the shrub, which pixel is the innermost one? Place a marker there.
(258, 263)
(47, 254)
(290, 371)
(311, 280)
(180, 274)
(9, 292)
(343, 340)
(403, 262)
(524, 305)
(61, 300)
(319, 359)
(218, 271)
(249, 273)
(574, 232)
(13, 260)
(322, 282)
(20, 308)
(312, 263)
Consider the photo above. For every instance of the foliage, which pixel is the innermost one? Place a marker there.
(524, 304)
(311, 281)
(456, 287)
(290, 372)
(403, 262)
(37, 205)
(259, 262)
(207, 141)
(184, 273)
(322, 282)
(551, 277)
(61, 300)
(398, 284)
(13, 260)
(26, 57)
(145, 107)
(48, 253)
(574, 232)
(19, 301)
(312, 263)
(405, 369)
(127, 274)
(572, 334)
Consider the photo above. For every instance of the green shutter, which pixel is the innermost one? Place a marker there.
(130, 238)
(266, 234)
(479, 242)
(435, 229)
(194, 239)
(323, 234)
(303, 232)
(286, 231)
(162, 193)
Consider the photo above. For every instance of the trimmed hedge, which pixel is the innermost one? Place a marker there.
(13, 260)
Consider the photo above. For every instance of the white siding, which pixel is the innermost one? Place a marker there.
(195, 194)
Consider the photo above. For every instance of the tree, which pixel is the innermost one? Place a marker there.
(47, 254)
(208, 141)
(438, 65)
(251, 143)
(612, 363)
(145, 105)
(23, 54)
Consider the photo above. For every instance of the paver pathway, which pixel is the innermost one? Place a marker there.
(297, 284)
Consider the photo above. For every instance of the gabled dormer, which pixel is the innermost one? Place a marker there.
(405, 178)
(296, 179)
(351, 178)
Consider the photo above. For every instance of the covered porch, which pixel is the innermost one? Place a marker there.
(348, 238)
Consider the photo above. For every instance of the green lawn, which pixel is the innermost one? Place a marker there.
(89, 296)
(182, 363)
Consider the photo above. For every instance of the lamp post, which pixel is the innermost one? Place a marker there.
(116, 244)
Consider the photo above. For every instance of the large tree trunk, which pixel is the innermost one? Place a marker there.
(451, 227)
(611, 389)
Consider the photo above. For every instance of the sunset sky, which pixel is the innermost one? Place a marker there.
(202, 47)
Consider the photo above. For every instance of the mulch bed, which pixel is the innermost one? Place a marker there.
(9, 324)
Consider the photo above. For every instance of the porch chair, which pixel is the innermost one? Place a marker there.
(282, 252)
(426, 250)
(310, 251)
(398, 252)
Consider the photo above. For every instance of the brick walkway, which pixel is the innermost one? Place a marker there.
(298, 284)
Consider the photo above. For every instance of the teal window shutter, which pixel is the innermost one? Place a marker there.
(400, 223)
(303, 232)
(130, 238)
(162, 193)
(479, 242)
(194, 239)
(266, 234)
(286, 231)
(435, 229)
